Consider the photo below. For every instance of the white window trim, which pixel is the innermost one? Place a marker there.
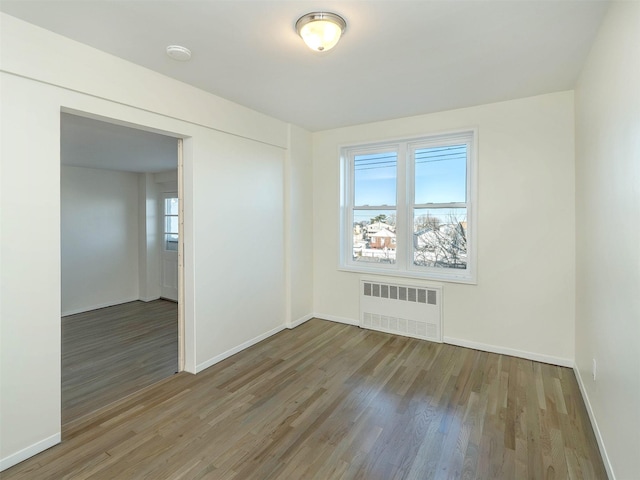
(164, 197)
(404, 205)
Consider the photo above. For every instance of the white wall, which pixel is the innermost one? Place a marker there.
(231, 184)
(239, 244)
(608, 236)
(151, 216)
(523, 301)
(300, 226)
(99, 238)
(30, 274)
(149, 240)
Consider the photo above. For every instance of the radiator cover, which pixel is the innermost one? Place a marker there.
(403, 309)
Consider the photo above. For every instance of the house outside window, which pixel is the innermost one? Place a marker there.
(408, 207)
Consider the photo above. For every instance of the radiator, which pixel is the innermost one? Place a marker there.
(410, 310)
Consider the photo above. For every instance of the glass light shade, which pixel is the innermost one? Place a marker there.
(321, 31)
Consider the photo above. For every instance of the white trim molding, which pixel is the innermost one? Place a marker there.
(300, 321)
(150, 299)
(594, 424)
(75, 311)
(30, 451)
(537, 357)
(218, 358)
(333, 318)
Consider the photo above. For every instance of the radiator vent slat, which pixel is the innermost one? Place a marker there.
(411, 294)
(393, 292)
(413, 311)
(432, 297)
(422, 296)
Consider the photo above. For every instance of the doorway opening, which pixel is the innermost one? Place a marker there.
(121, 323)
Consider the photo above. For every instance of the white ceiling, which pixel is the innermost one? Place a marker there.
(86, 142)
(397, 58)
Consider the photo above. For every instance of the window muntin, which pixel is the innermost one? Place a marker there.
(171, 225)
(428, 229)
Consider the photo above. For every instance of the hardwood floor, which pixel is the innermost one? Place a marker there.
(331, 401)
(112, 352)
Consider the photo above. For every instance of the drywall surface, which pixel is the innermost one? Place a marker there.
(300, 228)
(239, 245)
(608, 236)
(55, 61)
(233, 232)
(523, 301)
(99, 238)
(30, 275)
(149, 237)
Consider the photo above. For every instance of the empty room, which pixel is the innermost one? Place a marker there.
(406, 239)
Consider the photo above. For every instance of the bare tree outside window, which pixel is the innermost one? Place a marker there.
(440, 244)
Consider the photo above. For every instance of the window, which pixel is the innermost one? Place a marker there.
(171, 224)
(408, 207)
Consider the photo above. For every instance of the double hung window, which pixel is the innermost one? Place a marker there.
(171, 221)
(408, 207)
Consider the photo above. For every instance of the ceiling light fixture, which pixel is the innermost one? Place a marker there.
(321, 30)
(182, 54)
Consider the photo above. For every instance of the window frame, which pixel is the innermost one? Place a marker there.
(167, 196)
(405, 205)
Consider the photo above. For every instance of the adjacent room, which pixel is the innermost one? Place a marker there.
(402, 235)
(119, 263)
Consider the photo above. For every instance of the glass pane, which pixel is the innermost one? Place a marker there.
(171, 242)
(171, 224)
(171, 206)
(441, 174)
(374, 236)
(375, 179)
(440, 237)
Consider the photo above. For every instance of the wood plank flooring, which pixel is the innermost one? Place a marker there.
(331, 401)
(113, 352)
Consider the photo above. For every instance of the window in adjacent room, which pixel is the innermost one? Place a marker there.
(171, 223)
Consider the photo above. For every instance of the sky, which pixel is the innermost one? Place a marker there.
(440, 177)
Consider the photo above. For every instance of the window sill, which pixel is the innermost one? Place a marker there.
(429, 276)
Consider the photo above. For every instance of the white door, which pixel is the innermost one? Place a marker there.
(170, 232)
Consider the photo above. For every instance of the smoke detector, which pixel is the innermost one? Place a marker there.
(182, 54)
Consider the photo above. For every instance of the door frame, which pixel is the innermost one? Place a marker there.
(182, 348)
(181, 320)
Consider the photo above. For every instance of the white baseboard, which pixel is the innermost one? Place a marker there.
(300, 321)
(148, 299)
(538, 357)
(30, 451)
(333, 318)
(218, 358)
(594, 425)
(75, 311)
(563, 362)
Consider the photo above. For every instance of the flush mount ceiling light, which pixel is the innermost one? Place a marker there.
(321, 30)
(182, 54)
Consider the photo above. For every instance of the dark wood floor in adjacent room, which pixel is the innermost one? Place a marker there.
(113, 352)
(331, 401)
